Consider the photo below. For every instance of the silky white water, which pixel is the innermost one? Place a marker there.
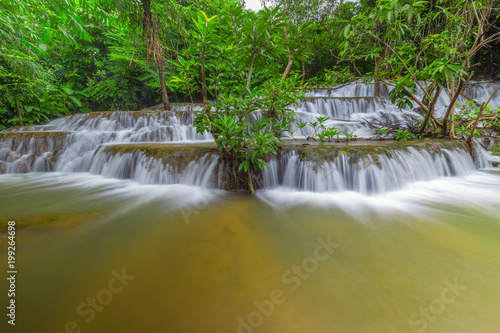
(423, 258)
(352, 109)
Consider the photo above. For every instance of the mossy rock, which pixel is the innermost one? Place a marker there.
(361, 150)
(361, 153)
(176, 155)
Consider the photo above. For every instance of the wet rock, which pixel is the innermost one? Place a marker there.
(22, 152)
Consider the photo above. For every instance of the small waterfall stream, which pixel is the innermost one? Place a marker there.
(82, 134)
(372, 173)
(79, 143)
(145, 169)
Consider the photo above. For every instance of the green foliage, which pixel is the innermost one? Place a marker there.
(31, 32)
(350, 136)
(496, 149)
(332, 77)
(328, 133)
(62, 57)
(420, 46)
(495, 123)
(248, 128)
(186, 79)
(383, 131)
(403, 135)
(464, 132)
(468, 113)
(56, 61)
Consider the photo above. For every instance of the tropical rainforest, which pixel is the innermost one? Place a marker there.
(69, 56)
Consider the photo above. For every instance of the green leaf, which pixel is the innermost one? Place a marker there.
(175, 63)
(206, 18)
(176, 79)
(346, 30)
(67, 90)
(75, 100)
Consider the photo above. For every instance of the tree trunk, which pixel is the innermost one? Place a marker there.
(378, 64)
(474, 127)
(250, 183)
(430, 110)
(377, 88)
(289, 65)
(203, 79)
(154, 47)
(250, 69)
(453, 101)
(146, 7)
(164, 95)
(424, 107)
(452, 114)
(287, 69)
(147, 26)
(19, 115)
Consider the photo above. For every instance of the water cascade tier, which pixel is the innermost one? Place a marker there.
(84, 133)
(137, 145)
(367, 167)
(31, 151)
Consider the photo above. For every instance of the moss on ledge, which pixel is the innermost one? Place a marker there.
(178, 156)
(35, 134)
(175, 155)
(361, 149)
(308, 150)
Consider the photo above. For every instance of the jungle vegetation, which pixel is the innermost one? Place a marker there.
(61, 57)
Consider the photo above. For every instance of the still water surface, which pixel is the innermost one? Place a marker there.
(104, 255)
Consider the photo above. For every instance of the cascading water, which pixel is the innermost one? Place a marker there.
(84, 133)
(78, 144)
(350, 114)
(150, 170)
(369, 173)
(479, 91)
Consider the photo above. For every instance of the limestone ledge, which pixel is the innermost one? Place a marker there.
(179, 155)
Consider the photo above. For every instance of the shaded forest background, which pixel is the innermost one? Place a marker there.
(69, 56)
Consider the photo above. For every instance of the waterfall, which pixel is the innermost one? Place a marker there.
(144, 169)
(315, 169)
(350, 114)
(84, 143)
(484, 157)
(82, 135)
(373, 173)
(480, 91)
(31, 151)
(353, 89)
